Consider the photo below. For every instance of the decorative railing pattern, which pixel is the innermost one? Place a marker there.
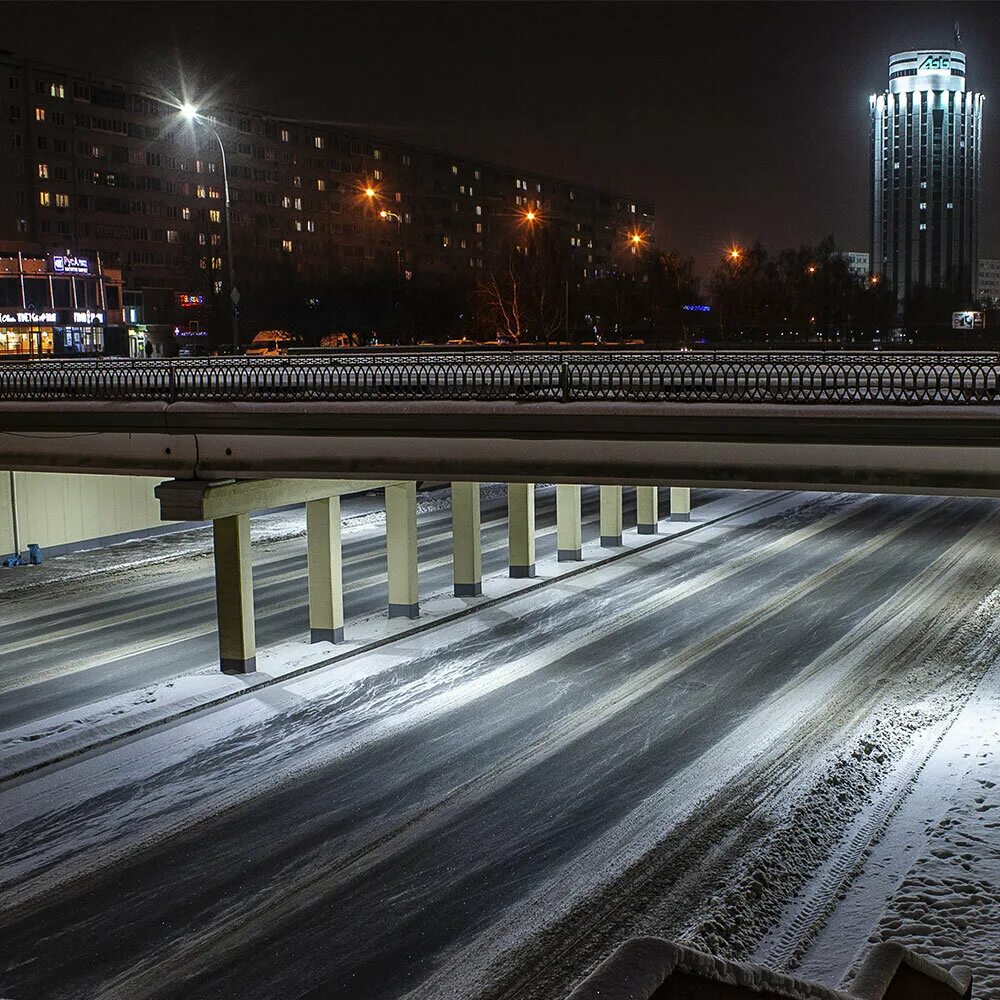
(807, 378)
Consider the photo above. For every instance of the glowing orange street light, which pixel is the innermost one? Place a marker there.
(369, 192)
(735, 254)
(811, 268)
(636, 239)
(874, 279)
(529, 216)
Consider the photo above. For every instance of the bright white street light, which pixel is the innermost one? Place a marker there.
(189, 111)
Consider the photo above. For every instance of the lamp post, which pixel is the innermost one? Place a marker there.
(191, 114)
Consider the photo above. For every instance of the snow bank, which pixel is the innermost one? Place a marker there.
(948, 905)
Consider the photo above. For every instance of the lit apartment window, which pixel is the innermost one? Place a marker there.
(185, 213)
(44, 198)
(214, 215)
(39, 114)
(216, 263)
(173, 236)
(311, 226)
(22, 225)
(62, 201)
(57, 90)
(200, 192)
(950, 205)
(298, 204)
(378, 175)
(399, 197)
(286, 202)
(320, 184)
(284, 135)
(377, 153)
(478, 174)
(446, 241)
(318, 142)
(286, 245)
(923, 206)
(632, 208)
(214, 193)
(479, 227)
(43, 170)
(407, 160)
(298, 226)
(572, 196)
(202, 240)
(454, 168)
(215, 240)
(297, 181)
(479, 209)
(923, 225)
(198, 166)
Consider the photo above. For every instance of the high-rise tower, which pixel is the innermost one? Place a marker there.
(926, 146)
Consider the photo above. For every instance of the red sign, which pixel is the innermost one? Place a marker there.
(190, 301)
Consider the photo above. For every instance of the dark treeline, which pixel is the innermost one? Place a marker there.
(532, 294)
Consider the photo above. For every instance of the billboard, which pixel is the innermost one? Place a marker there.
(968, 320)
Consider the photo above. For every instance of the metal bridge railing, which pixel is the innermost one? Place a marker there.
(914, 379)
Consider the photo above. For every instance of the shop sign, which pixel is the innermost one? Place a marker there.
(71, 265)
(28, 318)
(89, 318)
(188, 301)
(968, 320)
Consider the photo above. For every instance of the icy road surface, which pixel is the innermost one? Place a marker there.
(703, 740)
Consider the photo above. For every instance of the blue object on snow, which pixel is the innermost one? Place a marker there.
(34, 554)
(14, 560)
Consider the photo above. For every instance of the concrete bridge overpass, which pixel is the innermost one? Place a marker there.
(235, 436)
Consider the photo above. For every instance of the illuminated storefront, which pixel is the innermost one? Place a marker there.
(59, 304)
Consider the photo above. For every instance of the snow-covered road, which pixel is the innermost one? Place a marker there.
(71, 642)
(702, 740)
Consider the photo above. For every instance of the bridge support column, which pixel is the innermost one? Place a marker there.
(234, 594)
(569, 523)
(466, 539)
(326, 585)
(647, 509)
(401, 549)
(611, 517)
(680, 503)
(521, 530)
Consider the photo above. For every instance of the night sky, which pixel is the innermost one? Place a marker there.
(741, 121)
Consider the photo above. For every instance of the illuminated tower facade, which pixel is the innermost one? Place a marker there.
(926, 148)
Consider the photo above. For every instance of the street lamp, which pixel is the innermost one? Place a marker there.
(190, 113)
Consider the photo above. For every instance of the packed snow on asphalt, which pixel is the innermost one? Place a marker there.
(772, 737)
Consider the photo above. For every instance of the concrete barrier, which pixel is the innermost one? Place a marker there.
(654, 969)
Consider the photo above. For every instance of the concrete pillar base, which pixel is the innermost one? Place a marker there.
(570, 555)
(680, 503)
(468, 590)
(239, 666)
(404, 611)
(333, 635)
(522, 572)
(611, 541)
(646, 529)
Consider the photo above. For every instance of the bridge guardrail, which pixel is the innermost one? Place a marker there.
(917, 379)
